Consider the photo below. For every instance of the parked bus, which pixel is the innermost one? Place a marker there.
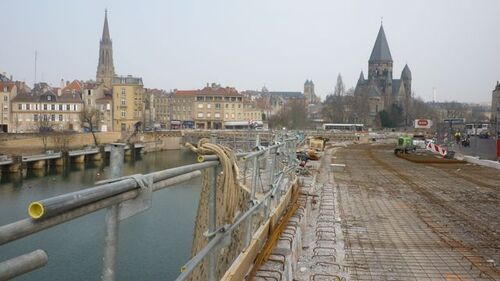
(343, 127)
(476, 129)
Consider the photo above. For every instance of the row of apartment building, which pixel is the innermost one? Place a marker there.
(125, 106)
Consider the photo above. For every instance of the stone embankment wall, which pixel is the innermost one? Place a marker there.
(28, 144)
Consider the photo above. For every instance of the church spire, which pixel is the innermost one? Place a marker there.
(105, 67)
(105, 29)
(381, 52)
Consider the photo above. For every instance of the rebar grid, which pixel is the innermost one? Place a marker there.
(385, 235)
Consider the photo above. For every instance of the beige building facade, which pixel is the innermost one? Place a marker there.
(32, 111)
(8, 91)
(128, 103)
(216, 107)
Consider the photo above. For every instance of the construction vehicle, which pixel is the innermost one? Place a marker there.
(404, 144)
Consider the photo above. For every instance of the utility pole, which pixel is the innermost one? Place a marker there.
(34, 82)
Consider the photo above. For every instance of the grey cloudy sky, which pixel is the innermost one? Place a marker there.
(452, 45)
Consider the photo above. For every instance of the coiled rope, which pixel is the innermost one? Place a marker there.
(230, 197)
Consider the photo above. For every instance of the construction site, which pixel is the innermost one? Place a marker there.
(368, 214)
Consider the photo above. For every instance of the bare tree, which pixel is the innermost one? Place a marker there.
(90, 119)
(44, 127)
(291, 116)
(339, 87)
(61, 140)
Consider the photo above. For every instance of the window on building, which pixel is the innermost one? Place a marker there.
(239, 105)
(49, 98)
(227, 115)
(67, 107)
(60, 107)
(227, 105)
(27, 106)
(5, 98)
(200, 115)
(53, 107)
(232, 115)
(35, 117)
(123, 91)
(209, 115)
(199, 98)
(20, 106)
(232, 105)
(209, 105)
(53, 117)
(60, 117)
(217, 106)
(200, 105)
(217, 115)
(124, 114)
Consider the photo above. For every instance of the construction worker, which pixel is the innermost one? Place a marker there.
(457, 137)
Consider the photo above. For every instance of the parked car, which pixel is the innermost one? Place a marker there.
(484, 135)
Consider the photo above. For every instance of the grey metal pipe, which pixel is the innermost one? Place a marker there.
(58, 204)
(212, 223)
(170, 173)
(112, 219)
(204, 158)
(260, 152)
(22, 264)
(175, 180)
(25, 227)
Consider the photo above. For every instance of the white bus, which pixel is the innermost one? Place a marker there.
(343, 127)
(476, 129)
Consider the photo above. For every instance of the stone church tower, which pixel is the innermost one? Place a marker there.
(380, 88)
(105, 67)
(309, 93)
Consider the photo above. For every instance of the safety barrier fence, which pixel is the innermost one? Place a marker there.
(124, 196)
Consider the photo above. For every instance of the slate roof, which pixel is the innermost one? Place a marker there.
(127, 80)
(4, 78)
(36, 97)
(381, 52)
(288, 95)
(406, 72)
(396, 84)
(373, 91)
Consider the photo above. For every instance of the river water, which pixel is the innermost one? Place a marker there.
(153, 245)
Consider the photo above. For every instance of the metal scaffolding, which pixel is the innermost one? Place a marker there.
(124, 196)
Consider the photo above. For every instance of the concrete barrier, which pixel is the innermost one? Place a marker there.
(486, 163)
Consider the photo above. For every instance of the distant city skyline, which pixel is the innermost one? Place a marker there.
(450, 45)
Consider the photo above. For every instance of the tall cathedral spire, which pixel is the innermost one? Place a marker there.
(105, 67)
(105, 29)
(381, 52)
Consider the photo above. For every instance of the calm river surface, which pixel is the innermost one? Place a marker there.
(152, 245)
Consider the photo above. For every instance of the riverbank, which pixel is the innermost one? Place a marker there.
(31, 144)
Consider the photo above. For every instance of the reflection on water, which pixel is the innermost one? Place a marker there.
(152, 245)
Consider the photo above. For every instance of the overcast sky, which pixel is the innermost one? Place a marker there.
(453, 46)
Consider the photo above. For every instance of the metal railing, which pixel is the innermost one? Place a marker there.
(129, 195)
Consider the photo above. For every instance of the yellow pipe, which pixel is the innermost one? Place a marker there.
(36, 210)
(200, 158)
